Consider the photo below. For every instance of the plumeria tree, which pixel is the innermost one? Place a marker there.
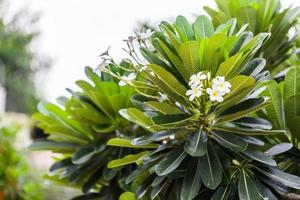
(192, 114)
(206, 126)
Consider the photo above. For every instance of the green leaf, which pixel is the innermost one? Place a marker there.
(156, 190)
(292, 114)
(127, 196)
(254, 67)
(153, 58)
(136, 116)
(170, 81)
(121, 142)
(140, 101)
(191, 181)
(230, 66)
(253, 122)
(170, 119)
(168, 29)
(260, 157)
(62, 116)
(248, 131)
(175, 60)
(241, 86)
(291, 85)
(211, 55)
(196, 144)
(203, 27)
(280, 176)
(243, 38)
(274, 111)
(255, 43)
(211, 171)
(189, 54)
(170, 162)
(184, 29)
(279, 148)
(247, 188)
(242, 109)
(230, 141)
(137, 172)
(64, 163)
(157, 136)
(238, 84)
(135, 158)
(61, 147)
(87, 152)
(164, 107)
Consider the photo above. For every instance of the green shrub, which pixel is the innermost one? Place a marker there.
(16, 182)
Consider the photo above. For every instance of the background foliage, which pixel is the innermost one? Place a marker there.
(18, 63)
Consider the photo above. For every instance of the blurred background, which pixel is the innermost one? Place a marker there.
(44, 47)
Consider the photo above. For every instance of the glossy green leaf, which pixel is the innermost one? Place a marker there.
(121, 142)
(158, 136)
(292, 83)
(136, 158)
(169, 80)
(281, 177)
(62, 147)
(260, 157)
(184, 29)
(242, 109)
(247, 188)
(253, 122)
(254, 67)
(203, 27)
(211, 171)
(229, 66)
(275, 110)
(279, 148)
(136, 116)
(189, 54)
(87, 152)
(191, 181)
(175, 60)
(196, 144)
(230, 141)
(249, 131)
(292, 114)
(170, 119)
(164, 108)
(171, 161)
(127, 196)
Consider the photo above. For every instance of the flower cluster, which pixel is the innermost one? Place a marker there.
(201, 83)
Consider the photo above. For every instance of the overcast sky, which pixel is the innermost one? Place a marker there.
(75, 32)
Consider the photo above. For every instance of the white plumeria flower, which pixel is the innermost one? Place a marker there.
(220, 84)
(146, 35)
(214, 94)
(127, 79)
(194, 92)
(196, 79)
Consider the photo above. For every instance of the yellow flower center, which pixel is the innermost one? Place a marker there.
(215, 93)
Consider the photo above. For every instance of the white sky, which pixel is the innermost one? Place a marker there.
(75, 32)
